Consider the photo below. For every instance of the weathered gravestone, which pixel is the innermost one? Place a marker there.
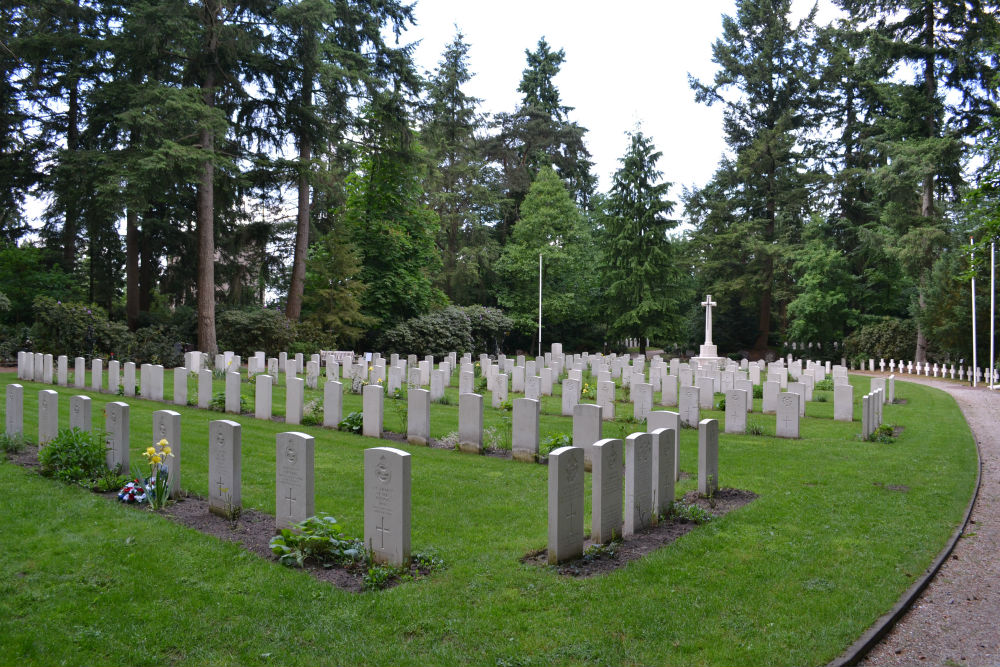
(116, 426)
(312, 374)
(533, 387)
(96, 374)
(669, 420)
(787, 423)
(224, 467)
(62, 371)
(373, 404)
(669, 395)
(233, 393)
(294, 483)
(565, 504)
(79, 413)
(128, 380)
(706, 392)
(663, 465)
(470, 423)
(500, 390)
(638, 482)
(418, 415)
(770, 402)
(79, 373)
(387, 505)
(800, 389)
(14, 422)
(708, 456)
(47, 369)
(525, 429)
(587, 420)
(167, 426)
(606, 399)
(606, 492)
(114, 376)
(437, 385)
(48, 415)
(736, 411)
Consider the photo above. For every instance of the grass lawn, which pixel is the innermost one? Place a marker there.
(792, 578)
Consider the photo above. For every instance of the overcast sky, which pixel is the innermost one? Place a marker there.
(627, 62)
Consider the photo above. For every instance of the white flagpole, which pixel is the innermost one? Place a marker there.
(972, 259)
(993, 273)
(539, 304)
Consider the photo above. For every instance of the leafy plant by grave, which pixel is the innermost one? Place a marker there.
(351, 423)
(686, 513)
(722, 403)
(312, 413)
(551, 442)
(218, 402)
(754, 426)
(74, 456)
(884, 434)
(12, 443)
(318, 539)
(758, 391)
(246, 330)
(824, 385)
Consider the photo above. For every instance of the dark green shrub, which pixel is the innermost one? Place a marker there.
(73, 329)
(436, 333)
(490, 327)
(246, 330)
(758, 391)
(310, 338)
(351, 423)
(888, 339)
(157, 344)
(74, 456)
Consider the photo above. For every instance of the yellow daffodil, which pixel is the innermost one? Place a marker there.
(155, 459)
(167, 450)
(162, 443)
(150, 451)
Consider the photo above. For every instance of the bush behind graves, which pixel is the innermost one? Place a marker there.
(470, 329)
(887, 339)
(12, 443)
(74, 456)
(246, 330)
(76, 329)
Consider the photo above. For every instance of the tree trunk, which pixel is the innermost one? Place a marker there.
(206, 199)
(927, 189)
(921, 352)
(71, 223)
(296, 288)
(131, 269)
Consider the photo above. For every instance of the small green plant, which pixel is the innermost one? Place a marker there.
(233, 510)
(506, 405)
(480, 385)
(686, 513)
(444, 400)
(589, 391)
(551, 442)
(378, 576)
(319, 539)
(820, 398)
(722, 403)
(754, 427)
(758, 391)
(110, 479)
(74, 456)
(824, 385)
(599, 551)
(400, 405)
(883, 434)
(351, 423)
(499, 436)
(449, 441)
(12, 444)
(312, 413)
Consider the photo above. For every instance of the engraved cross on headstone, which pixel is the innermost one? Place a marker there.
(220, 485)
(382, 531)
(707, 304)
(290, 500)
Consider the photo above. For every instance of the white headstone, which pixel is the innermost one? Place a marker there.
(606, 480)
(233, 393)
(638, 482)
(116, 426)
(787, 423)
(79, 413)
(688, 406)
(204, 388)
(62, 370)
(642, 400)
(48, 415)
(97, 374)
(47, 369)
(418, 415)
(587, 420)
(372, 411)
(294, 482)
(79, 373)
(295, 400)
(843, 402)
(525, 429)
(606, 399)
(180, 385)
(770, 403)
(167, 426)
(570, 396)
(736, 411)
(566, 496)
(470, 423)
(708, 456)
(387, 505)
(264, 387)
(224, 466)
(333, 403)
(128, 381)
(15, 410)
(663, 469)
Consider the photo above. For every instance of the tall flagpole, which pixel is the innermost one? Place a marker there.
(539, 304)
(993, 273)
(972, 260)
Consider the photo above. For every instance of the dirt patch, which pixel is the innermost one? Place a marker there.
(900, 401)
(902, 488)
(634, 547)
(897, 431)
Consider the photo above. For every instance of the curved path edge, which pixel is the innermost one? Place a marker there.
(867, 641)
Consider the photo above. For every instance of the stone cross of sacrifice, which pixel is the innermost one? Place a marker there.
(707, 305)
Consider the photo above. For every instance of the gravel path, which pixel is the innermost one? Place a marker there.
(956, 620)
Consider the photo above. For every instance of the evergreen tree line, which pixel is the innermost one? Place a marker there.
(195, 156)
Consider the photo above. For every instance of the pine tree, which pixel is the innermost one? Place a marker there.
(639, 274)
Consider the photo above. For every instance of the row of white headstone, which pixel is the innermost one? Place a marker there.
(386, 470)
(646, 461)
(933, 370)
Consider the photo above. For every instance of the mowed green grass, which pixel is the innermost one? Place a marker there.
(792, 578)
